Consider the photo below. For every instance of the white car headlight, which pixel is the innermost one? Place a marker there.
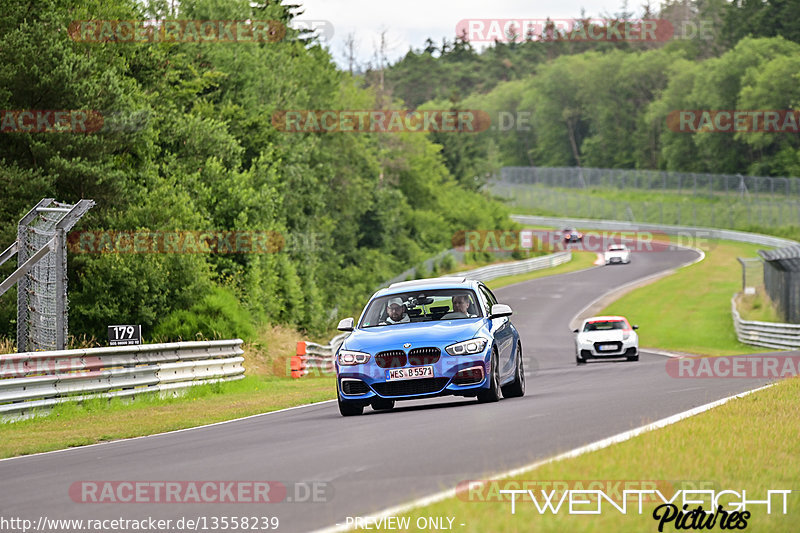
(471, 346)
(350, 358)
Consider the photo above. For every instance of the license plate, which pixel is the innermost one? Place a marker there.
(416, 372)
(606, 347)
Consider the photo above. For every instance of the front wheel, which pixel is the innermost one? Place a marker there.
(348, 408)
(492, 394)
(516, 388)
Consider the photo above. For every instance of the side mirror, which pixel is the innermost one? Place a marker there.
(635, 327)
(575, 331)
(345, 324)
(500, 310)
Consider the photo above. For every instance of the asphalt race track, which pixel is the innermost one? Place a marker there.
(383, 459)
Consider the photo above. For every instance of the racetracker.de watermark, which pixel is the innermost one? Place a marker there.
(190, 242)
(203, 492)
(592, 30)
(381, 121)
(735, 366)
(321, 29)
(177, 31)
(597, 241)
(50, 121)
(734, 121)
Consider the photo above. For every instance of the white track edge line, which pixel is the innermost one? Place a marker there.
(594, 446)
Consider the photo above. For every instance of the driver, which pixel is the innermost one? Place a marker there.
(397, 312)
(460, 307)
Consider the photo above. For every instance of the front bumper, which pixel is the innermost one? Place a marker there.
(462, 375)
(621, 349)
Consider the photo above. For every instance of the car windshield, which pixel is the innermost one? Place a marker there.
(616, 247)
(421, 306)
(604, 325)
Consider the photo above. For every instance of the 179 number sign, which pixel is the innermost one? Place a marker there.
(124, 335)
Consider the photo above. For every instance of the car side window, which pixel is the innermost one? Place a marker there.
(490, 299)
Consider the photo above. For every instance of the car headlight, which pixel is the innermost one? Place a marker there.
(350, 358)
(626, 335)
(471, 346)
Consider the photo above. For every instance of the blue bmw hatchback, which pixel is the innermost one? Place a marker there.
(427, 338)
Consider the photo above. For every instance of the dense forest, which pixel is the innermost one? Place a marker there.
(606, 103)
(188, 144)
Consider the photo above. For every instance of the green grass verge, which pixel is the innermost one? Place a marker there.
(759, 214)
(690, 310)
(757, 306)
(73, 424)
(580, 261)
(749, 443)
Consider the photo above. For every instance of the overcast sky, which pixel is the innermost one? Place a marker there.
(409, 22)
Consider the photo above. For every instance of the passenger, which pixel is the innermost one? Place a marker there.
(397, 312)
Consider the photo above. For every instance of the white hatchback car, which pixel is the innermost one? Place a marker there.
(617, 253)
(606, 337)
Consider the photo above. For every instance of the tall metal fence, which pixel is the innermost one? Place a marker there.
(736, 214)
(41, 277)
(782, 280)
(698, 184)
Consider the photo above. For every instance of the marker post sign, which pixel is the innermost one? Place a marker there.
(124, 335)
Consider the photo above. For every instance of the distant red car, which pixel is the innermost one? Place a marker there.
(572, 235)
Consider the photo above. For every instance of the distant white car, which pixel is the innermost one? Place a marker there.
(617, 253)
(606, 337)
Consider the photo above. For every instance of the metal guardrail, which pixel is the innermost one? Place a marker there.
(34, 382)
(491, 272)
(711, 233)
(767, 334)
(312, 356)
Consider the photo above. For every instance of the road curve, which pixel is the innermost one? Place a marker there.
(383, 459)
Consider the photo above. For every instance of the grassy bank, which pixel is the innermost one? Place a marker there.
(757, 306)
(759, 214)
(714, 450)
(689, 311)
(101, 420)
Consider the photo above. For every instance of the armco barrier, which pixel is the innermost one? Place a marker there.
(311, 355)
(36, 381)
(491, 272)
(711, 233)
(767, 334)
